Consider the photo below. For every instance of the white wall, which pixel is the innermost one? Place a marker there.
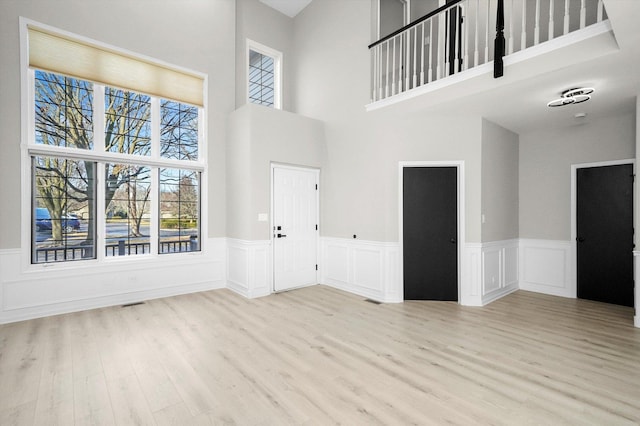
(261, 23)
(545, 170)
(360, 185)
(194, 34)
(499, 183)
(261, 136)
(547, 257)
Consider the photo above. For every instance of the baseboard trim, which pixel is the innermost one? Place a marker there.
(22, 314)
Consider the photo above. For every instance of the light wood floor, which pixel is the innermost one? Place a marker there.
(321, 356)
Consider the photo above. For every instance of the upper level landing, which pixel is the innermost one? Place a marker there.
(450, 52)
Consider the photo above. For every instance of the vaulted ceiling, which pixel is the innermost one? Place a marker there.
(289, 7)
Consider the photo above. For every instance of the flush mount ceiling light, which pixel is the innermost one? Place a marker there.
(572, 96)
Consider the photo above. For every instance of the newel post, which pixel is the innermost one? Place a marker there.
(499, 46)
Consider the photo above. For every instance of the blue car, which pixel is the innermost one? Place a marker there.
(43, 221)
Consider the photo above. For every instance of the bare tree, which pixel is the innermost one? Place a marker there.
(64, 117)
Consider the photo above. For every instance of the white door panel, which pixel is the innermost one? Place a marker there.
(295, 211)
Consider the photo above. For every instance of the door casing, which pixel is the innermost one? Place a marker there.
(573, 282)
(459, 165)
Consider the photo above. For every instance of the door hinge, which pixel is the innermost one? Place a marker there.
(316, 266)
(316, 227)
(316, 186)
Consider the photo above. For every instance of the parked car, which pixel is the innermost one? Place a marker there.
(43, 221)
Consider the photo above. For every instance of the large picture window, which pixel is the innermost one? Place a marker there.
(115, 172)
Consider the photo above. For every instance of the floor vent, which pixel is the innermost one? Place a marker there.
(132, 304)
(375, 302)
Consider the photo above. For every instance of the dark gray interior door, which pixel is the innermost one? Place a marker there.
(430, 233)
(605, 234)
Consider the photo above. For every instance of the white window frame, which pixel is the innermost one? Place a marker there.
(277, 69)
(30, 148)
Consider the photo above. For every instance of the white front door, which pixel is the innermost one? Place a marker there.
(295, 227)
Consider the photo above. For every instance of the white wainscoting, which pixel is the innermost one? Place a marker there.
(249, 267)
(367, 268)
(499, 269)
(545, 267)
(372, 269)
(636, 262)
(471, 275)
(27, 292)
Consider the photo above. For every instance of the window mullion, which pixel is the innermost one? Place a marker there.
(154, 225)
(98, 117)
(98, 146)
(99, 219)
(155, 128)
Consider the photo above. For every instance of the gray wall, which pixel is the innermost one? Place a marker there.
(499, 183)
(261, 23)
(545, 170)
(196, 34)
(261, 136)
(360, 185)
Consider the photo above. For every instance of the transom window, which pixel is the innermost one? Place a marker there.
(114, 172)
(264, 80)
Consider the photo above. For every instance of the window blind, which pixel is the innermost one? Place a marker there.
(74, 58)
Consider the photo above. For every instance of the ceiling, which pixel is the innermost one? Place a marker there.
(289, 7)
(518, 101)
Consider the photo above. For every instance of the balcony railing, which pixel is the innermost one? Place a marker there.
(460, 36)
(121, 248)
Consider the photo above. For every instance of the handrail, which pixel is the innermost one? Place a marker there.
(416, 22)
(432, 47)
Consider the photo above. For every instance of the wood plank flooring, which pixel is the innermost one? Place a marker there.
(321, 356)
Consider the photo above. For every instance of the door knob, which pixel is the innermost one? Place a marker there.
(281, 235)
(452, 241)
(580, 239)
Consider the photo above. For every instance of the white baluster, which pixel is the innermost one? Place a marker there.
(407, 69)
(440, 52)
(430, 73)
(486, 39)
(583, 15)
(415, 49)
(400, 70)
(536, 31)
(551, 23)
(465, 59)
(447, 43)
(380, 71)
(600, 10)
(456, 42)
(566, 17)
(393, 68)
(510, 51)
(375, 69)
(476, 54)
(422, 56)
(523, 35)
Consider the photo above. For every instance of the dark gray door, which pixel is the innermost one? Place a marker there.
(605, 234)
(430, 233)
